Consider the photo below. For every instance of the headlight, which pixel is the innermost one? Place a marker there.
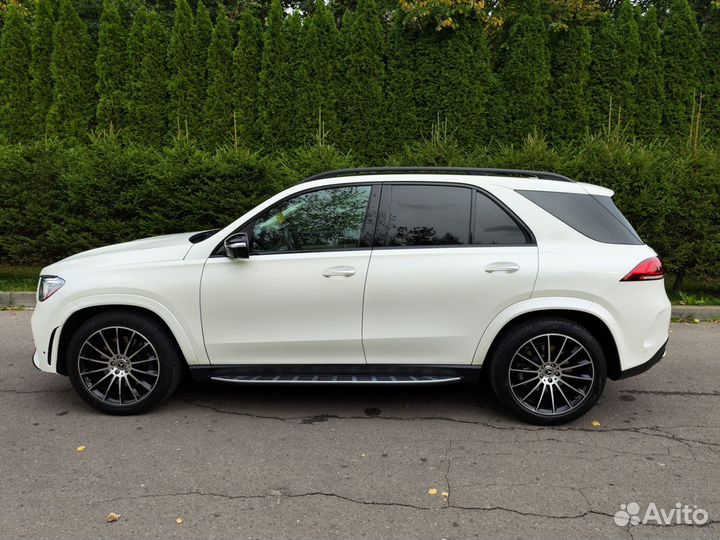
(49, 285)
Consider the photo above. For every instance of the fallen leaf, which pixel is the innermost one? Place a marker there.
(81, 448)
(595, 423)
(179, 521)
(432, 491)
(112, 516)
(445, 494)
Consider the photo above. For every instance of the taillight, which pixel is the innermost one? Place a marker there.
(651, 268)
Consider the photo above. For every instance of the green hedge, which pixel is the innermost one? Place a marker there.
(58, 199)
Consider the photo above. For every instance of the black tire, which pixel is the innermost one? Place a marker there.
(514, 350)
(164, 358)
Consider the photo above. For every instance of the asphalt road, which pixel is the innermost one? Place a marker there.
(357, 462)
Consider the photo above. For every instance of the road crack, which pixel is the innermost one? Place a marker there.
(278, 495)
(672, 393)
(648, 431)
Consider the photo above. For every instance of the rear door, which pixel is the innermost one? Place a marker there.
(447, 259)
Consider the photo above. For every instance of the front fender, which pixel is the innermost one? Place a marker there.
(190, 345)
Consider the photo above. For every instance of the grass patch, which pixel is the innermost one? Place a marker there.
(705, 293)
(689, 299)
(18, 278)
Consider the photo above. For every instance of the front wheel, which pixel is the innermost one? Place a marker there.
(122, 362)
(548, 371)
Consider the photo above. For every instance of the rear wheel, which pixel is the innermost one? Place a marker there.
(122, 362)
(548, 371)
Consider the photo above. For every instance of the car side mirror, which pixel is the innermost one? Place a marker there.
(237, 246)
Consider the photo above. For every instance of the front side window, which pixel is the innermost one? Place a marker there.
(328, 219)
(428, 216)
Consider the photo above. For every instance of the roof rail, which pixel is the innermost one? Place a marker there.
(542, 175)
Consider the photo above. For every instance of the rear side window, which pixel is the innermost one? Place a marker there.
(494, 226)
(594, 216)
(428, 216)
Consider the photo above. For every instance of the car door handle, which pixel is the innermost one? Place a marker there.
(338, 271)
(508, 267)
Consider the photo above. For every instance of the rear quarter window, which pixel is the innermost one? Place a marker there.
(594, 216)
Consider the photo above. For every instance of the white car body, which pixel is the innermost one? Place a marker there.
(443, 305)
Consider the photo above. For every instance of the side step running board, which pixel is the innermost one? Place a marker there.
(337, 373)
(336, 379)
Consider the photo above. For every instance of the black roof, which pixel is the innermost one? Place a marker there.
(542, 175)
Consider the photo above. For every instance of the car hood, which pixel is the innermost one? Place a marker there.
(170, 247)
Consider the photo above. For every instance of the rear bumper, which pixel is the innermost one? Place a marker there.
(642, 368)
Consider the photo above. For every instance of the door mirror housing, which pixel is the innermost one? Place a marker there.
(237, 246)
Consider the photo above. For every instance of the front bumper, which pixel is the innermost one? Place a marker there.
(642, 368)
(46, 322)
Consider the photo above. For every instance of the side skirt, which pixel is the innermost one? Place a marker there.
(336, 374)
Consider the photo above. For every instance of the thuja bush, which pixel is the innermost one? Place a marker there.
(31, 192)
(103, 195)
(58, 198)
(198, 190)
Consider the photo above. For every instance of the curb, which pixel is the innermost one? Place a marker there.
(703, 313)
(17, 299)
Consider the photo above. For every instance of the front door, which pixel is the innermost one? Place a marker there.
(298, 298)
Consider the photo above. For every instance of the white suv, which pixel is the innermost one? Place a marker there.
(370, 276)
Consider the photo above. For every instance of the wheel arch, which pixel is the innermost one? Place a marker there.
(78, 317)
(592, 321)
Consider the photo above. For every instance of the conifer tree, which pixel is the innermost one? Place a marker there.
(319, 69)
(361, 98)
(681, 56)
(430, 69)
(148, 90)
(184, 84)
(41, 89)
(136, 45)
(628, 51)
(15, 118)
(71, 67)
(650, 86)
(449, 74)
(405, 126)
(603, 88)
(203, 34)
(111, 66)
(570, 72)
(274, 86)
(219, 122)
(296, 100)
(711, 72)
(246, 73)
(467, 86)
(525, 76)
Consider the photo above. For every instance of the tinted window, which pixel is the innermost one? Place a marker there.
(428, 216)
(493, 225)
(595, 217)
(320, 220)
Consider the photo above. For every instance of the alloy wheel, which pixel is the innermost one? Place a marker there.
(551, 374)
(118, 366)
